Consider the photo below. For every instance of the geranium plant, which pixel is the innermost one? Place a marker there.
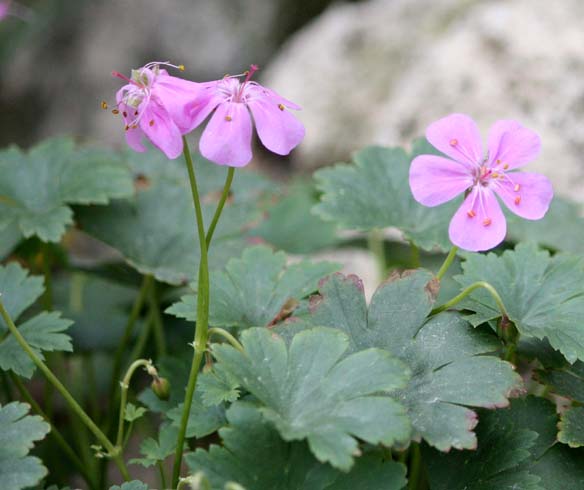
(199, 355)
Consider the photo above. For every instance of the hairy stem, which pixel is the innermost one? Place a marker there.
(377, 247)
(87, 421)
(447, 262)
(200, 340)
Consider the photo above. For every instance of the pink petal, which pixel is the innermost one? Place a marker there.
(479, 223)
(203, 104)
(457, 136)
(526, 194)
(435, 180)
(133, 135)
(257, 90)
(511, 144)
(161, 130)
(175, 94)
(227, 138)
(277, 128)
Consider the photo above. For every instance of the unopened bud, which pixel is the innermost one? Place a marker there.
(161, 387)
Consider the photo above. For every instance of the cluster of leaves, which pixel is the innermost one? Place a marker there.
(328, 392)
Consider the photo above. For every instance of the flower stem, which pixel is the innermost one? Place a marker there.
(467, 291)
(447, 262)
(200, 341)
(125, 385)
(55, 434)
(99, 435)
(415, 467)
(157, 322)
(224, 196)
(227, 336)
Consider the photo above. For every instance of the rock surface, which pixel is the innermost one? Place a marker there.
(381, 71)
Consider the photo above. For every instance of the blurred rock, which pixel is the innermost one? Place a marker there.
(381, 71)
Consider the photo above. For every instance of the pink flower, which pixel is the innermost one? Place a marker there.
(227, 138)
(152, 105)
(479, 223)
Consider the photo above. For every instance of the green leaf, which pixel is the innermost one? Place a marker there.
(18, 290)
(37, 187)
(154, 451)
(309, 392)
(133, 412)
(217, 386)
(99, 308)
(561, 229)
(290, 225)
(131, 485)
(572, 427)
(10, 236)
(543, 295)
(253, 290)
(444, 353)
(501, 461)
(156, 230)
(257, 458)
(374, 193)
(43, 333)
(203, 420)
(18, 432)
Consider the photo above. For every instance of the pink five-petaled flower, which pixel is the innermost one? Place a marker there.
(479, 223)
(152, 105)
(227, 138)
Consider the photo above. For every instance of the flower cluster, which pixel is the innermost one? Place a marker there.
(479, 223)
(163, 108)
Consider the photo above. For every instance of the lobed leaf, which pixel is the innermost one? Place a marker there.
(251, 291)
(255, 456)
(18, 290)
(155, 451)
(309, 391)
(543, 295)
(572, 427)
(444, 353)
(37, 187)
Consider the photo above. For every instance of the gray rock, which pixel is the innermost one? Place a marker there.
(381, 71)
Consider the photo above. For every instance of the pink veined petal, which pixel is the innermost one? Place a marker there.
(278, 130)
(512, 145)
(435, 180)
(479, 223)
(457, 136)
(175, 94)
(207, 99)
(227, 138)
(526, 194)
(161, 130)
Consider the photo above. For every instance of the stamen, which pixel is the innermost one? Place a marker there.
(517, 199)
(498, 161)
(228, 118)
(516, 188)
(126, 127)
(281, 107)
(487, 221)
(104, 105)
(506, 166)
(453, 142)
(181, 67)
(125, 114)
(471, 214)
(151, 123)
(115, 112)
(495, 175)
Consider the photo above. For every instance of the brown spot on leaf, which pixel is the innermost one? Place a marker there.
(287, 309)
(141, 182)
